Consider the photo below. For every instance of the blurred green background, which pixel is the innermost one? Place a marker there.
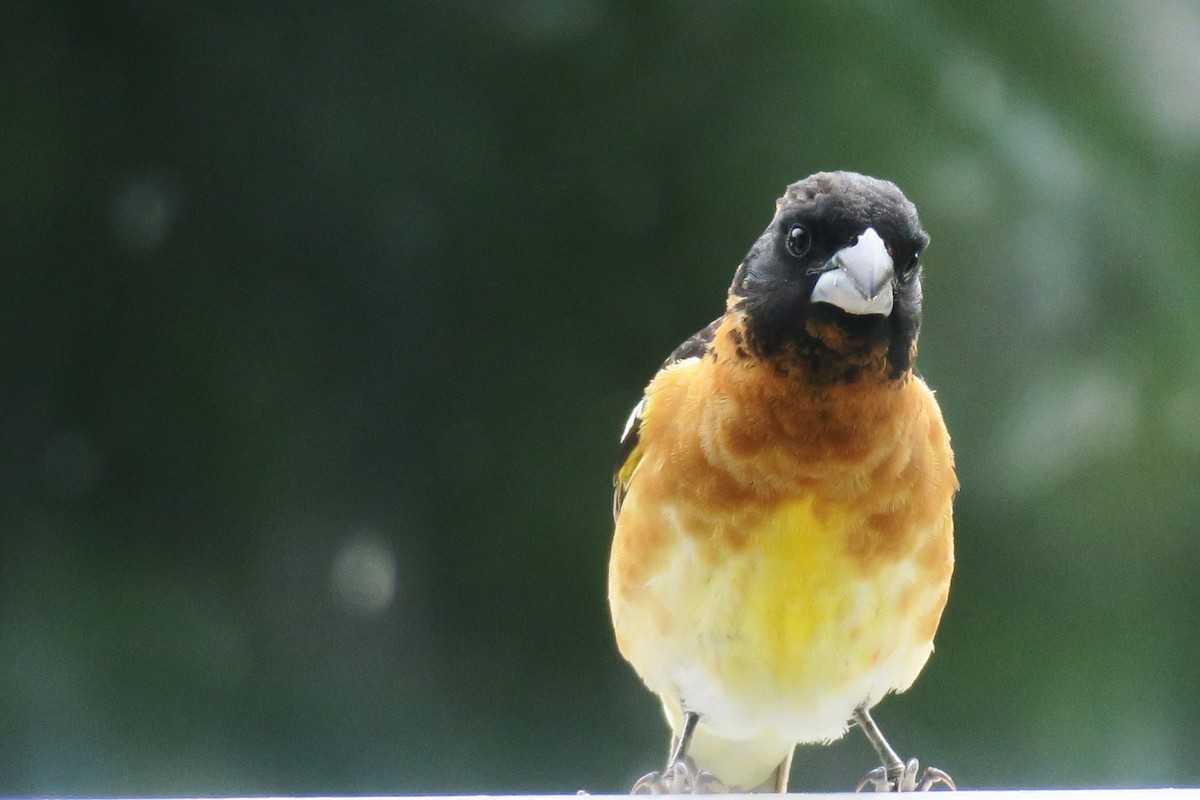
(319, 322)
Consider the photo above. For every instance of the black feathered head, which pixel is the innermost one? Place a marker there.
(836, 277)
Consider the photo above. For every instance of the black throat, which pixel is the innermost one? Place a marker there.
(828, 346)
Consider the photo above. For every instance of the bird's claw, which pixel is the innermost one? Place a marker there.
(679, 778)
(932, 777)
(904, 779)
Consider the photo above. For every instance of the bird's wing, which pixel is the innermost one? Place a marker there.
(630, 453)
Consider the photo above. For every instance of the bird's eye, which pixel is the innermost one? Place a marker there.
(909, 267)
(798, 241)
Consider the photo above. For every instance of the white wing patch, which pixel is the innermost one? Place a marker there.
(634, 416)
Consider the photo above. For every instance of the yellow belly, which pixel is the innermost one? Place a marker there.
(787, 635)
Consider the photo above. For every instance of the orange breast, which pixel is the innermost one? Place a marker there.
(785, 502)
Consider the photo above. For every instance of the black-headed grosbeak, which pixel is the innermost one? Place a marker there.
(784, 541)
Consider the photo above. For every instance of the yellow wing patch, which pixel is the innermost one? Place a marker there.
(631, 456)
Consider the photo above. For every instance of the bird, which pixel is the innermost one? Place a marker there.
(783, 542)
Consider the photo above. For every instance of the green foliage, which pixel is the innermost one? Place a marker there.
(320, 324)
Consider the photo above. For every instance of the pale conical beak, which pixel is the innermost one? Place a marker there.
(859, 280)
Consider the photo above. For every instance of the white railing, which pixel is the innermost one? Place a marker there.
(970, 794)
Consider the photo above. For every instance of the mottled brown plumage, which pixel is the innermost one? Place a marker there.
(783, 547)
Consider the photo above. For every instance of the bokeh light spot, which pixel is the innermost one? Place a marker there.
(143, 212)
(363, 575)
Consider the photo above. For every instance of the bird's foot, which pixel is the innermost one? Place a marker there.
(679, 778)
(904, 779)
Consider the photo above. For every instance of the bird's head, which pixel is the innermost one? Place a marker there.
(834, 283)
